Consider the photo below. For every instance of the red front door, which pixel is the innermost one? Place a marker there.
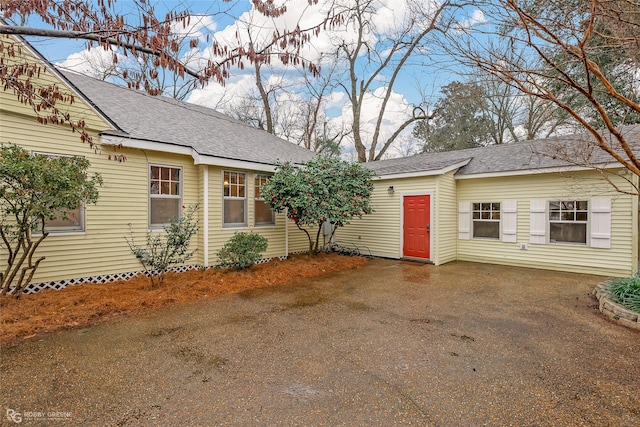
(417, 223)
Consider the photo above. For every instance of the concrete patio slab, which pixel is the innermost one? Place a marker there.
(392, 343)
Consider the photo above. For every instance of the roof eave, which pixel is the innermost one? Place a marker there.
(537, 171)
(434, 172)
(198, 159)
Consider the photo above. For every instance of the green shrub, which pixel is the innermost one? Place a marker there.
(165, 250)
(626, 291)
(241, 251)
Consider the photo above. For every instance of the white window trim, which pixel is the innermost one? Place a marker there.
(271, 224)
(499, 221)
(586, 223)
(236, 225)
(64, 231)
(161, 227)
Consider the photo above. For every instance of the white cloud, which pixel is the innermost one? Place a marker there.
(397, 111)
(476, 18)
(96, 63)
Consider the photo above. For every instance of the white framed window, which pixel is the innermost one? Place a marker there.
(486, 220)
(234, 199)
(165, 195)
(568, 221)
(65, 220)
(263, 215)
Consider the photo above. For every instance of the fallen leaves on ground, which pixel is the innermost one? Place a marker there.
(80, 305)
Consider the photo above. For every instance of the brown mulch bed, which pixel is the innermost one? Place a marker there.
(81, 305)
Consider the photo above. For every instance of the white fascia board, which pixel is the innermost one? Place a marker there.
(434, 172)
(198, 159)
(558, 169)
(27, 46)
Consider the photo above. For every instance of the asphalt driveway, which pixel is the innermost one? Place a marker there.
(389, 344)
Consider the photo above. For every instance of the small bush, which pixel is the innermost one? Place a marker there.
(241, 251)
(626, 291)
(164, 250)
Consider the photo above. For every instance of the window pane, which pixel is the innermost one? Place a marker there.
(73, 222)
(264, 215)
(241, 192)
(486, 206)
(164, 174)
(164, 188)
(495, 206)
(581, 216)
(234, 212)
(568, 216)
(486, 229)
(476, 215)
(554, 216)
(155, 172)
(155, 187)
(582, 205)
(476, 206)
(175, 188)
(175, 174)
(234, 191)
(485, 215)
(571, 233)
(495, 215)
(164, 210)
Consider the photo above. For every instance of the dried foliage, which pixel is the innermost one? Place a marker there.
(80, 305)
(143, 35)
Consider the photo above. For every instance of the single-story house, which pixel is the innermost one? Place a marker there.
(177, 154)
(515, 204)
(509, 204)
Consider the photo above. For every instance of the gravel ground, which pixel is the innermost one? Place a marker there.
(389, 344)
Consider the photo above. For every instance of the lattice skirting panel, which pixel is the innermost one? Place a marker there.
(106, 278)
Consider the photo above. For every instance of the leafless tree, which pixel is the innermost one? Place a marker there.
(376, 57)
(581, 56)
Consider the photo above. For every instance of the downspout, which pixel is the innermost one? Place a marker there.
(286, 232)
(205, 216)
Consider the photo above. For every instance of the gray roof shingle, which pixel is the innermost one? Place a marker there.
(522, 156)
(165, 120)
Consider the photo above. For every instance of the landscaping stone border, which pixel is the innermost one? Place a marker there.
(614, 311)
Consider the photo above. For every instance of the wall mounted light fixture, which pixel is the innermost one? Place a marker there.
(390, 190)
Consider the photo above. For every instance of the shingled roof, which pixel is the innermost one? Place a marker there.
(517, 157)
(140, 116)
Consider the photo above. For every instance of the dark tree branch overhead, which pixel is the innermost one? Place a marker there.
(140, 34)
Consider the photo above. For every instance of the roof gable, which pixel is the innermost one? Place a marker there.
(80, 109)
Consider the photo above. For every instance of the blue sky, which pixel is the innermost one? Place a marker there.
(415, 82)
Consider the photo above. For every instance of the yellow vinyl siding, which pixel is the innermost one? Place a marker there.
(101, 249)
(446, 230)
(219, 235)
(381, 231)
(619, 260)
(78, 110)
